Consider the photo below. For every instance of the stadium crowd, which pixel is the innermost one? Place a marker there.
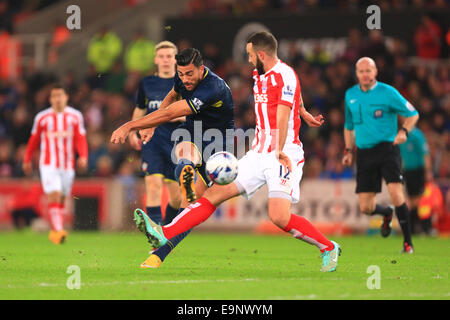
(242, 7)
(106, 98)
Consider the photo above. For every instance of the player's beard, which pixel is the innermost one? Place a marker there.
(259, 66)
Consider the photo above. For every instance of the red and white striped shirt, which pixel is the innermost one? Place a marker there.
(279, 85)
(59, 135)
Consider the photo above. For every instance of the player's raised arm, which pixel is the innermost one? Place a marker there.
(160, 116)
(171, 98)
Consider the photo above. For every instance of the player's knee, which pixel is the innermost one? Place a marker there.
(366, 208)
(397, 199)
(279, 218)
(175, 199)
(154, 188)
(55, 197)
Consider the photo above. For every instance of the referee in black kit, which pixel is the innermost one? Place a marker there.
(371, 115)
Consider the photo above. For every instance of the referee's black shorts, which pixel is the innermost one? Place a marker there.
(381, 161)
(415, 181)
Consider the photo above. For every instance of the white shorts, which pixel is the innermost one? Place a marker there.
(257, 169)
(56, 180)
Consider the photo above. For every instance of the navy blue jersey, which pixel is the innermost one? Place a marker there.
(152, 91)
(211, 102)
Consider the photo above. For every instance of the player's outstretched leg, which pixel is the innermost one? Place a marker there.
(157, 257)
(150, 228)
(302, 229)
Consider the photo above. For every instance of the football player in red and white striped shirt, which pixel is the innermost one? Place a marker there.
(59, 132)
(276, 157)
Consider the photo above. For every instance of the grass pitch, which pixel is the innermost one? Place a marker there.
(219, 266)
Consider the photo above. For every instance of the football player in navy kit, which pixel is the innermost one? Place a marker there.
(156, 153)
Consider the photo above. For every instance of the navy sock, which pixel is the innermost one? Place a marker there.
(180, 165)
(163, 252)
(382, 210)
(155, 214)
(404, 221)
(171, 213)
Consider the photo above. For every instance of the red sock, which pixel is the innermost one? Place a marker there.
(55, 214)
(302, 229)
(190, 217)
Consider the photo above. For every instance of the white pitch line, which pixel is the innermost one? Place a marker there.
(187, 281)
(115, 283)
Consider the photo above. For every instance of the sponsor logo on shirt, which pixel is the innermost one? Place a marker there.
(378, 114)
(154, 104)
(409, 106)
(59, 134)
(288, 91)
(264, 85)
(261, 98)
(197, 103)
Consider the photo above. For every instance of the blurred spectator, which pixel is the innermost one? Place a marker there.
(376, 48)
(103, 50)
(10, 55)
(427, 38)
(139, 54)
(59, 36)
(354, 46)
(115, 81)
(5, 17)
(21, 126)
(6, 160)
(318, 57)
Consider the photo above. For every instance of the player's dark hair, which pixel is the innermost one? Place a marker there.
(188, 56)
(264, 41)
(57, 86)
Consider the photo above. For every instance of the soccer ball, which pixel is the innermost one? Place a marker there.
(222, 168)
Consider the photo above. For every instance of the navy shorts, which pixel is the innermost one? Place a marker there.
(157, 158)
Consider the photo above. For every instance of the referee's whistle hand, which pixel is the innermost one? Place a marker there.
(347, 160)
(400, 138)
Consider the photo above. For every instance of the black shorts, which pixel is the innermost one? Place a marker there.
(381, 161)
(415, 181)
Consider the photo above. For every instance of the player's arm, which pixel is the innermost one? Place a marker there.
(406, 125)
(349, 136)
(154, 119)
(312, 121)
(135, 141)
(407, 113)
(32, 145)
(171, 98)
(283, 114)
(81, 144)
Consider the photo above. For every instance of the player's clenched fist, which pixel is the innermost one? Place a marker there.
(27, 168)
(347, 160)
(120, 135)
(146, 134)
